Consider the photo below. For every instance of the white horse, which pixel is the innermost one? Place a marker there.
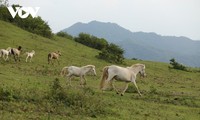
(78, 72)
(30, 55)
(127, 75)
(6, 53)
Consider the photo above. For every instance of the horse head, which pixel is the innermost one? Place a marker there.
(92, 69)
(19, 48)
(59, 53)
(142, 71)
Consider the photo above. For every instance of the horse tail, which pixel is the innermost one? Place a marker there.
(64, 71)
(104, 77)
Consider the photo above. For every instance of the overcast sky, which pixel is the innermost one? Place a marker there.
(164, 17)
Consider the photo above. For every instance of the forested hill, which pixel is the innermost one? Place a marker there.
(141, 45)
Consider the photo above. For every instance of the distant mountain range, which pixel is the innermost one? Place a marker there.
(141, 45)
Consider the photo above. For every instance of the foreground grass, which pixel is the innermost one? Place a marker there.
(37, 91)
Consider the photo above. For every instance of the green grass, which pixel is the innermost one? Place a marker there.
(27, 92)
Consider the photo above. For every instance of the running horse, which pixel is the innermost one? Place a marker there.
(78, 72)
(127, 75)
(4, 53)
(30, 55)
(16, 53)
(53, 56)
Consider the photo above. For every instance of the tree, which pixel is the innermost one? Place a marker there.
(112, 53)
(176, 65)
(91, 41)
(108, 52)
(35, 25)
(65, 35)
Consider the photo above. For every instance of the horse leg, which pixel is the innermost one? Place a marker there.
(84, 80)
(7, 57)
(81, 83)
(15, 58)
(125, 88)
(26, 58)
(69, 79)
(52, 62)
(30, 59)
(4, 57)
(110, 80)
(113, 86)
(136, 87)
(18, 58)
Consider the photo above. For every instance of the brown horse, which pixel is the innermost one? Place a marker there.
(53, 55)
(16, 52)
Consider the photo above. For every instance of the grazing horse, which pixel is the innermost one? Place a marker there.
(78, 72)
(16, 52)
(127, 75)
(30, 55)
(53, 55)
(6, 53)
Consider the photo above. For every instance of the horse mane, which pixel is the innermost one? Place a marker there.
(8, 48)
(91, 66)
(57, 52)
(137, 65)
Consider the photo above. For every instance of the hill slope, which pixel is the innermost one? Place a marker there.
(28, 90)
(146, 46)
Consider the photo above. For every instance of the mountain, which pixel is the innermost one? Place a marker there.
(141, 45)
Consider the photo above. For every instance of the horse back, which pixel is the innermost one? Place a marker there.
(120, 73)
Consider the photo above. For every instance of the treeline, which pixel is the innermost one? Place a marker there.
(34, 25)
(109, 52)
(65, 35)
(91, 41)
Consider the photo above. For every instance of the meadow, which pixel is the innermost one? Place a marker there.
(37, 91)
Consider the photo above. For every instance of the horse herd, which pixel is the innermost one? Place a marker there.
(110, 73)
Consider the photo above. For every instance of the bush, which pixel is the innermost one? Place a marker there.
(176, 65)
(65, 35)
(109, 52)
(82, 102)
(112, 53)
(91, 41)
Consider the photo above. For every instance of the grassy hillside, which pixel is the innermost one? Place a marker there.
(29, 90)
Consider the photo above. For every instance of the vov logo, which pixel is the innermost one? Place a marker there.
(27, 10)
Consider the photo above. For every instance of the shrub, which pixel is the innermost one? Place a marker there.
(176, 65)
(82, 102)
(65, 35)
(112, 53)
(91, 41)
